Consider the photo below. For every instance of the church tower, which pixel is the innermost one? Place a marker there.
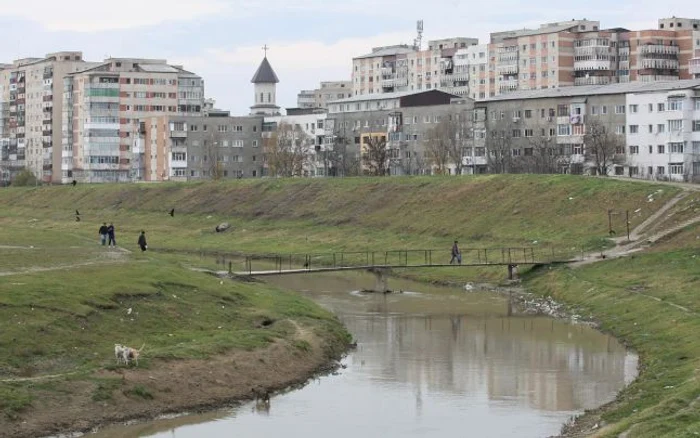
(265, 81)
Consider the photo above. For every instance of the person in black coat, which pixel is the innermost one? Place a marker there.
(142, 241)
(110, 234)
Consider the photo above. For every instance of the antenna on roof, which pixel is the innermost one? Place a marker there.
(419, 35)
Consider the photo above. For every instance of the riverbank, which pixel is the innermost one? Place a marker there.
(174, 387)
(646, 299)
(65, 302)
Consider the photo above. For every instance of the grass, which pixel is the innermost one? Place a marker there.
(139, 391)
(50, 312)
(635, 298)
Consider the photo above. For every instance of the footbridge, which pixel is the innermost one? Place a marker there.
(287, 264)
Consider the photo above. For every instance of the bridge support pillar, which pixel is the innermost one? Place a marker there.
(512, 272)
(381, 276)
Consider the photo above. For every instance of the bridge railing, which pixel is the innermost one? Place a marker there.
(408, 258)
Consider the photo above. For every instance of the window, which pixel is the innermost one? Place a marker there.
(661, 107)
(528, 114)
(661, 149)
(634, 109)
(660, 129)
(255, 143)
(634, 149)
(651, 149)
(696, 150)
(480, 152)
(675, 125)
(651, 129)
(634, 129)
(237, 143)
(578, 149)
(619, 109)
(675, 105)
(516, 133)
(651, 107)
(562, 110)
(697, 101)
(696, 125)
(620, 129)
(676, 147)
(563, 130)
(603, 109)
(516, 152)
(594, 110)
(528, 133)
(675, 168)
(661, 170)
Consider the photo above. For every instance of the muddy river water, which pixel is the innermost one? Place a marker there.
(431, 362)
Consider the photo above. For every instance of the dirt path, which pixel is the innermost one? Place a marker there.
(116, 256)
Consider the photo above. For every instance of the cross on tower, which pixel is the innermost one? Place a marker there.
(265, 48)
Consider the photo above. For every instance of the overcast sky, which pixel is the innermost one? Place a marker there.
(310, 40)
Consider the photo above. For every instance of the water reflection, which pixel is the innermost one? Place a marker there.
(432, 362)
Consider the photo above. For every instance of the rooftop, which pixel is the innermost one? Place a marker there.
(401, 49)
(384, 96)
(597, 90)
(265, 74)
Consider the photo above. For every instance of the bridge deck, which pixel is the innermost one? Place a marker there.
(270, 272)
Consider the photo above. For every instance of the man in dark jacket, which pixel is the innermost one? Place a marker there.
(456, 254)
(142, 241)
(103, 234)
(110, 234)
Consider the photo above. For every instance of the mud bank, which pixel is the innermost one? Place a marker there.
(171, 387)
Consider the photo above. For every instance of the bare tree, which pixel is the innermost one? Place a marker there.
(343, 156)
(287, 151)
(212, 158)
(543, 155)
(445, 143)
(600, 146)
(499, 143)
(375, 155)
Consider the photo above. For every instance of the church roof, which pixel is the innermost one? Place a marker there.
(265, 74)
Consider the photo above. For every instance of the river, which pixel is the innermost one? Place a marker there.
(431, 361)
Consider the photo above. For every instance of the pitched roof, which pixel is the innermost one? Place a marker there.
(265, 74)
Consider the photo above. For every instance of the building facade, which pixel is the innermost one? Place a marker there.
(405, 121)
(191, 148)
(327, 92)
(31, 108)
(104, 108)
(652, 130)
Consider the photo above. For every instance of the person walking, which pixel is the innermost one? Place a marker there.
(103, 234)
(456, 254)
(110, 233)
(142, 242)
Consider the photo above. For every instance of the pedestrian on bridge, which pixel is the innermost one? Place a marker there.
(456, 254)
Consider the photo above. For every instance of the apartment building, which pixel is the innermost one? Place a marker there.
(404, 121)
(663, 133)
(472, 76)
(403, 68)
(104, 107)
(328, 91)
(191, 148)
(310, 124)
(31, 108)
(580, 52)
(543, 131)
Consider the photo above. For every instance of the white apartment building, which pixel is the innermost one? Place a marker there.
(312, 124)
(327, 92)
(663, 134)
(472, 71)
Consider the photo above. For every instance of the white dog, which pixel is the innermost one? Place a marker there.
(120, 354)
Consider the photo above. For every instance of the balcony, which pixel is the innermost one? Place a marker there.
(508, 84)
(47, 133)
(592, 64)
(508, 69)
(394, 82)
(694, 66)
(178, 134)
(660, 64)
(593, 80)
(658, 49)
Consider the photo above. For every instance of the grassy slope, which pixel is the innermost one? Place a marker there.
(66, 321)
(357, 214)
